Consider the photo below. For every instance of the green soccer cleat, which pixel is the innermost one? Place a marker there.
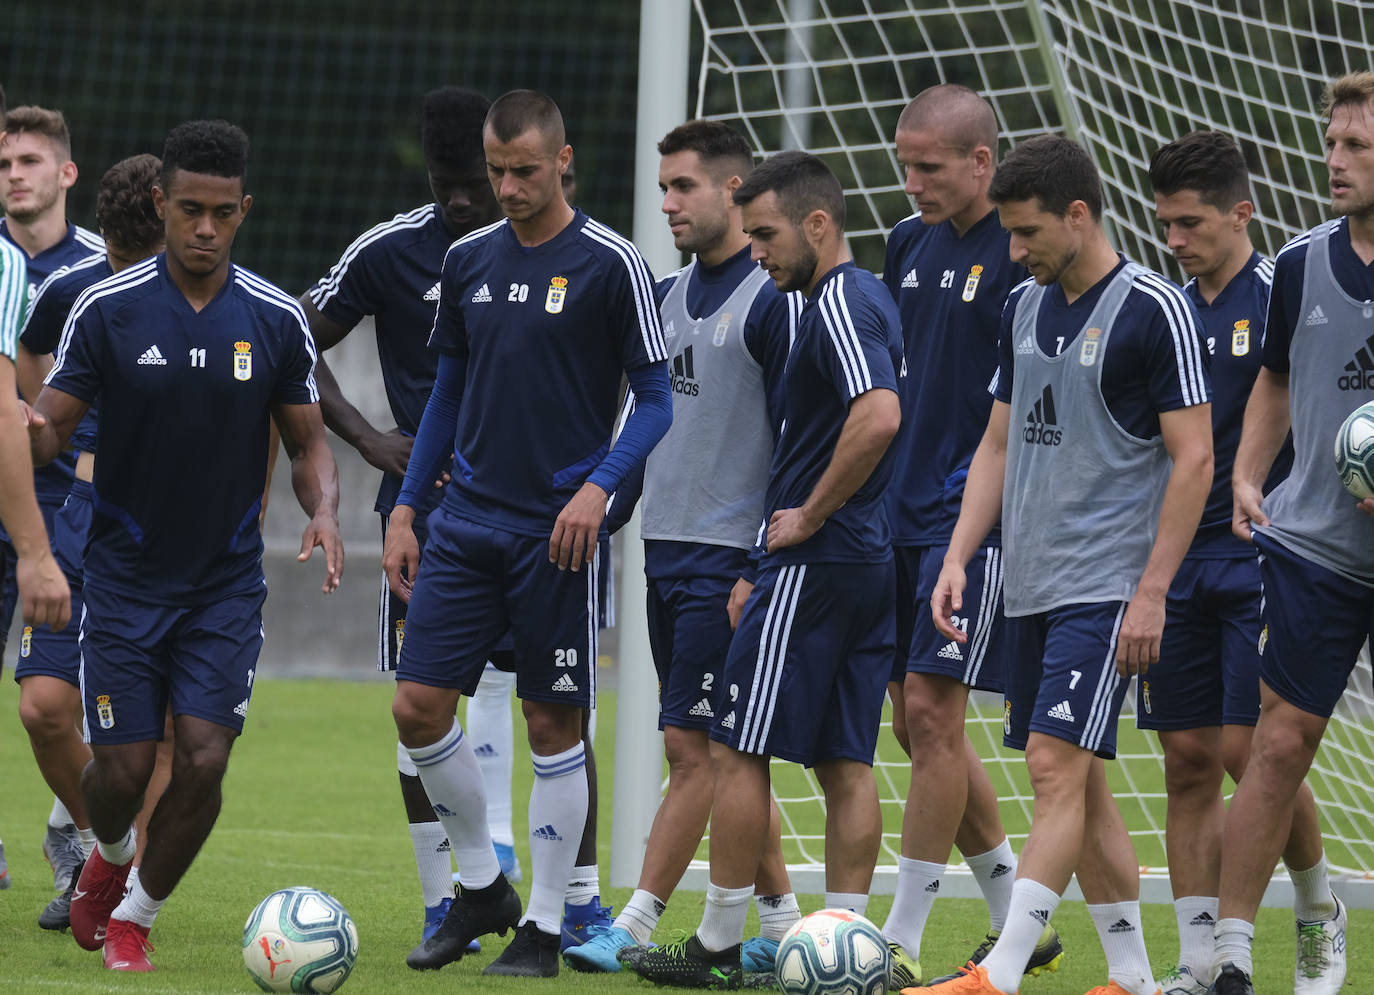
(905, 971)
(687, 964)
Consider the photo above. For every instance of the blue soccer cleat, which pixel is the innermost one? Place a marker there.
(598, 954)
(582, 922)
(758, 954)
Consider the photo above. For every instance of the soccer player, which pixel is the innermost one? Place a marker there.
(728, 332)
(48, 670)
(36, 171)
(392, 272)
(806, 671)
(1100, 485)
(949, 270)
(190, 356)
(1203, 694)
(537, 316)
(1316, 549)
(45, 597)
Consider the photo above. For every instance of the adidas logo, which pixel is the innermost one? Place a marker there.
(728, 722)
(152, 357)
(432, 294)
(1042, 916)
(444, 847)
(1121, 926)
(547, 833)
(1316, 316)
(1041, 421)
(911, 280)
(564, 683)
(1000, 871)
(1026, 346)
(485, 750)
(670, 329)
(1203, 919)
(1360, 370)
(950, 651)
(660, 907)
(702, 710)
(442, 810)
(483, 295)
(241, 709)
(1061, 711)
(683, 378)
(933, 888)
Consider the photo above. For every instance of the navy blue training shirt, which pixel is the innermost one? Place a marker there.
(185, 402)
(949, 291)
(849, 341)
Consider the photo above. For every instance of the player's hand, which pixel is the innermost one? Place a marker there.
(788, 527)
(323, 531)
(1137, 647)
(573, 541)
(401, 552)
(947, 600)
(1245, 509)
(1367, 506)
(43, 591)
(739, 594)
(389, 451)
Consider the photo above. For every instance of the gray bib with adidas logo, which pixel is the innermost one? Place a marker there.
(1330, 374)
(704, 482)
(1081, 498)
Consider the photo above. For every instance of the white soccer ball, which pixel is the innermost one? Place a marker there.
(299, 940)
(833, 952)
(1355, 451)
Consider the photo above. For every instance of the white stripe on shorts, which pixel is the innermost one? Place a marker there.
(777, 629)
(384, 625)
(988, 606)
(1107, 682)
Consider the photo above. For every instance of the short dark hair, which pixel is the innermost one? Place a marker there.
(51, 124)
(216, 148)
(1052, 169)
(1206, 161)
(723, 150)
(124, 204)
(802, 182)
(514, 113)
(451, 126)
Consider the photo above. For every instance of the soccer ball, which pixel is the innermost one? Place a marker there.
(299, 940)
(833, 952)
(1355, 452)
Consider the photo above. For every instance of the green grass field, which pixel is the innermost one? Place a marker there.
(311, 798)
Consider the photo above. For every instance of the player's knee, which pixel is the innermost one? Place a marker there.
(1191, 766)
(934, 720)
(552, 728)
(200, 766)
(42, 722)
(688, 752)
(1282, 750)
(1057, 769)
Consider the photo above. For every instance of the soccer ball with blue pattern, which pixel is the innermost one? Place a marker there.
(833, 952)
(299, 940)
(1355, 452)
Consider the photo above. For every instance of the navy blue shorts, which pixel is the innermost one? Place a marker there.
(1208, 669)
(42, 651)
(806, 676)
(137, 656)
(1315, 622)
(689, 634)
(475, 585)
(9, 589)
(978, 663)
(1062, 680)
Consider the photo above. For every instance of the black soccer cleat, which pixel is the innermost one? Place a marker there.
(58, 914)
(532, 954)
(1231, 980)
(493, 909)
(687, 964)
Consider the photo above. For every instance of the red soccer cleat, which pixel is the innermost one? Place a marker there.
(127, 946)
(98, 891)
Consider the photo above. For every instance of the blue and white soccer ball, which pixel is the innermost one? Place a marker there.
(1355, 452)
(833, 952)
(299, 940)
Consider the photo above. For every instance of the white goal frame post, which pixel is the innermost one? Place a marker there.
(1120, 76)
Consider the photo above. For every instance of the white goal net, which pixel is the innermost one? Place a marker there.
(1122, 77)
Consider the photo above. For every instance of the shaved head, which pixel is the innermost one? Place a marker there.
(962, 118)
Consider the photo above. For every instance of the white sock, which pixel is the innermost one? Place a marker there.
(87, 840)
(434, 861)
(640, 916)
(1312, 897)
(995, 872)
(122, 850)
(722, 923)
(852, 901)
(1123, 940)
(777, 913)
(584, 885)
(489, 725)
(1032, 906)
(449, 773)
(1197, 925)
(131, 880)
(59, 816)
(558, 810)
(918, 884)
(137, 907)
(1235, 937)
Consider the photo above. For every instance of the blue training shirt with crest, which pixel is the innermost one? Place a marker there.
(185, 403)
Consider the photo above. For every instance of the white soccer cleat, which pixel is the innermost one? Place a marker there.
(1180, 980)
(1320, 968)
